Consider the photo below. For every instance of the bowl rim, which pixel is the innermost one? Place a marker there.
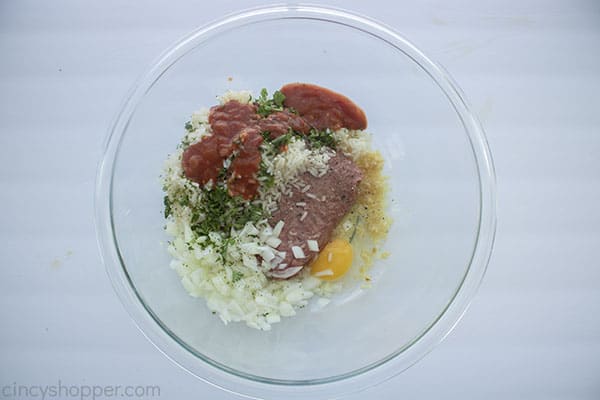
(252, 386)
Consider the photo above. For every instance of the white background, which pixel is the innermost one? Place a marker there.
(531, 71)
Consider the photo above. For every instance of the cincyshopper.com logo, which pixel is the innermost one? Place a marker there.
(82, 392)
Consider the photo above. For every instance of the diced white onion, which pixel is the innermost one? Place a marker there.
(267, 254)
(278, 228)
(275, 262)
(273, 242)
(313, 245)
(251, 248)
(298, 252)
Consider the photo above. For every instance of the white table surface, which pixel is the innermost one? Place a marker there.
(530, 69)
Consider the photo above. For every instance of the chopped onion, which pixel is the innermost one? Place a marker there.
(298, 252)
(267, 254)
(313, 245)
(278, 228)
(273, 242)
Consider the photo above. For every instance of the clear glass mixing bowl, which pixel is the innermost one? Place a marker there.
(442, 193)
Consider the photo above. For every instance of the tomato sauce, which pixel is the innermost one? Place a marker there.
(323, 108)
(245, 165)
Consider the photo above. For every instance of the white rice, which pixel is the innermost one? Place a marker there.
(243, 96)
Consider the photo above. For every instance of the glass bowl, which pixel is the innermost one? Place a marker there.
(442, 201)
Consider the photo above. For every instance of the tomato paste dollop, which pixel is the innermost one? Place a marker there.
(323, 108)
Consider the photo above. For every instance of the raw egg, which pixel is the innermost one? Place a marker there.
(333, 261)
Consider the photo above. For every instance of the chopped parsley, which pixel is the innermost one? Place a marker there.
(315, 138)
(267, 179)
(279, 142)
(266, 135)
(236, 276)
(318, 138)
(266, 105)
(167, 203)
(222, 174)
(189, 127)
(218, 211)
(224, 246)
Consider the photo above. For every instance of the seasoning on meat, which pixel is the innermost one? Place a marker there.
(313, 219)
(323, 108)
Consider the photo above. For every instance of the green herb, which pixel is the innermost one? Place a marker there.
(318, 138)
(237, 275)
(278, 98)
(189, 127)
(266, 135)
(315, 138)
(266, 106)
(282, 140)
(184, 144)
(274, 145)
(267, 179)
(224, 246)
(167, 203)
(222, 174)
(321, 138)
(183, 199)
(222, 212)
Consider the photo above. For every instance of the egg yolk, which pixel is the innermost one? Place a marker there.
(333, 261)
